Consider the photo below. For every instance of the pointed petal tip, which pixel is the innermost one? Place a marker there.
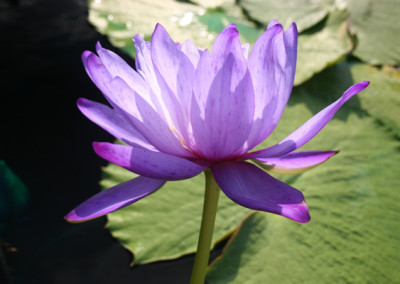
(158, 28)
(71, 217)
(293, 28)
(230, 30)
(81, 101)
(297, 212)
(92, 61)
(272, 23)
(231, 26)
(85, 54)
(98, 46)
(275, 26)
(97, 147)
(355, 89)
(136, 38)
(84, 57)
(364, 83)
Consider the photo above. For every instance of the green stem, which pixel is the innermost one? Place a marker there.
(206, 230)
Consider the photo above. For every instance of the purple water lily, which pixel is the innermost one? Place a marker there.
(186, 110)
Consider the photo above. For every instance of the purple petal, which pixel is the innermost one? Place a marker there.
(174, 67)
(136, 109)
(117, 67)
(192, 52)
(295, 162)
(221, 126)
(223, 99)
(114, 198)
(272, 23)
(253, 188)
(148, 163)
(112, 122)
(146, 119)
(99, 75)
(225, 43)
(144, 64)
(309, 129)
(272, 64)
(245, 50)
(84, 58)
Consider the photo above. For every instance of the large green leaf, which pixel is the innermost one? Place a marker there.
(323, 45)
(376, 24)
(354, 233)
(122, 19)
(306, 13)
(166, 224)
(382, 99)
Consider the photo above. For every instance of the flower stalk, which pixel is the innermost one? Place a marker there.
(206, 230)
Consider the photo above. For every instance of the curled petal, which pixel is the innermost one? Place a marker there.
(114, 198)
(308, 130)
(251, 187)
(148, 163)
(111, 121)
(295, 162)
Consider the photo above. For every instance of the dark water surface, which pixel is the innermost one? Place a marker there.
(47, 142)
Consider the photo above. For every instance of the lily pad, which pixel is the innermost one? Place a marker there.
(306, 13)
(376, 25)
(166, 225)
(320, 46)
(121, 20)
(353, 235)
(380, 100)
(323, 45)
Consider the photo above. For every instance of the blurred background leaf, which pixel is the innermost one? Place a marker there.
(14, 195)
(376, 25)
(306, 13)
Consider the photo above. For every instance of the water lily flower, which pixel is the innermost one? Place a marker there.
(186, 110)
